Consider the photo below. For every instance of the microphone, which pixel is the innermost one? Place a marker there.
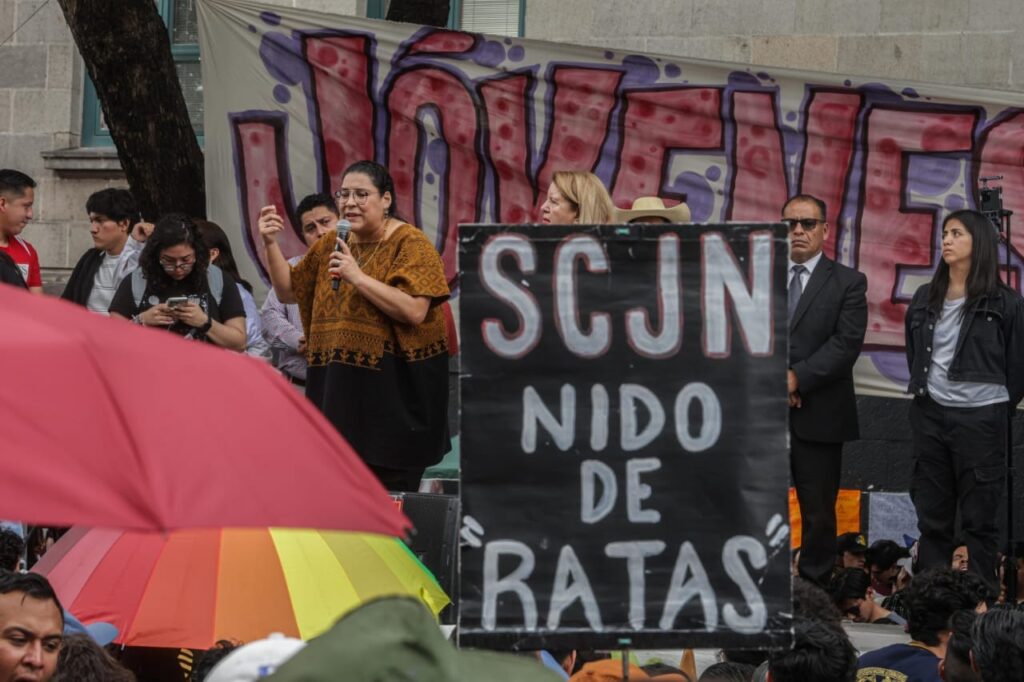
(343, 227)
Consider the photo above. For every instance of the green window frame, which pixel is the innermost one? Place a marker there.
(375, 9)
(94, 134)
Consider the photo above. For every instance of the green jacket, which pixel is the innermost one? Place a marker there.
(395, 639)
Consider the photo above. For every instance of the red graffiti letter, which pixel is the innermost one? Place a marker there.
(582, 104)
(459, 193)
(828, 152)
(344, 110)
(890, 234)
(507, 143)
(656, 123)
(264, 179)
(759, 170)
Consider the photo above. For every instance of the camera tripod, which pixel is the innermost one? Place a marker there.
(991, 205)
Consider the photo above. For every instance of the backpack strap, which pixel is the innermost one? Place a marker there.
(138, 286)
(215, 280)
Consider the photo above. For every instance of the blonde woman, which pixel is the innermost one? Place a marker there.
(576, 197)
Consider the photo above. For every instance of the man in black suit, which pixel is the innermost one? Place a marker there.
(828, 316)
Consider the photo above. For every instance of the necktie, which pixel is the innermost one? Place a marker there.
(796, 288)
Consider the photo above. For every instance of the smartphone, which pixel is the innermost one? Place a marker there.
(177, 301)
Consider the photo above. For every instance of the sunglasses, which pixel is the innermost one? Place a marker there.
(807, 223)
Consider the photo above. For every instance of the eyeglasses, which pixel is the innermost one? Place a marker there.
(807, 223)
(853, 611)
(172, 264)
(361, 196)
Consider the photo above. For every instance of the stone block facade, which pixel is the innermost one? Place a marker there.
(979, 42)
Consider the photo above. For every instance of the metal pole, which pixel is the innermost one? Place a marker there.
(1010, 564)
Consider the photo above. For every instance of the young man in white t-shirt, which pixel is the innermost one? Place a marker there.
(112, 213)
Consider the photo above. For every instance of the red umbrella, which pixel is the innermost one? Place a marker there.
(109, 424)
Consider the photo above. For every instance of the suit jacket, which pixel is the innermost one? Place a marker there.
(825, 338)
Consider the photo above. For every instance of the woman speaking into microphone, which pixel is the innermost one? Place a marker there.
(377, 346)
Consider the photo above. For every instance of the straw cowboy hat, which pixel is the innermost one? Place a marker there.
(653, 207)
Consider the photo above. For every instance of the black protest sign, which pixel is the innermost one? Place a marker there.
(624, 436)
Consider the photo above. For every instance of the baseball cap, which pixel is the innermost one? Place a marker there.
(100, 632)
(854, 543)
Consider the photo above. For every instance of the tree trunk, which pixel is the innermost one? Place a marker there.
(427, 12)
(127, 53)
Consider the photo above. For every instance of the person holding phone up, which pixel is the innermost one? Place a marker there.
(176, 287)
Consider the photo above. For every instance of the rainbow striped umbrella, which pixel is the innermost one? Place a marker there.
(191, 588)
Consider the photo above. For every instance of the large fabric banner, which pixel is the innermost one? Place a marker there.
(472, 128)
(624, 443)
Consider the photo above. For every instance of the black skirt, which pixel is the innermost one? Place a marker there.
(394, 415)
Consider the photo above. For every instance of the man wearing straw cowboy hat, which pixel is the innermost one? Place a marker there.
(652, 210)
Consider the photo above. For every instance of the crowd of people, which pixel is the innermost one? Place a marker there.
(956, 636)
(357, 325)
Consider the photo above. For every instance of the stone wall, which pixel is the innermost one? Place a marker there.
(961, 42)
(41, 110)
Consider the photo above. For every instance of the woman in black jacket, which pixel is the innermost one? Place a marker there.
(965, 349)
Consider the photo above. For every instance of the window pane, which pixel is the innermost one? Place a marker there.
(500, 17)
(186, 27)
(191, 76)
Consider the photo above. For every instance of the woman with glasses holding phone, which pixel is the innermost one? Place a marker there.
(376, 341)
(175, 288)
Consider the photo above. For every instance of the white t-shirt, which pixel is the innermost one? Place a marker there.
(112, 270)
(940, 388)
(105, 284)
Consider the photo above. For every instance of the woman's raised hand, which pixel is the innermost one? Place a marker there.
(270, 223)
